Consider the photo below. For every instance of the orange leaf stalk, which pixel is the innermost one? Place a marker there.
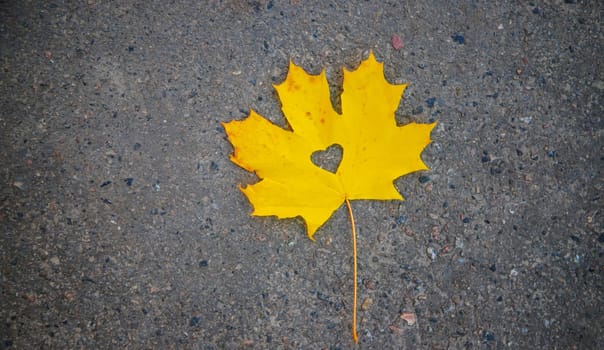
(355, 336)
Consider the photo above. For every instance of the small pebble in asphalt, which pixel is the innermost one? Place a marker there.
(458, 38)
(409, 317)
(488, 336)
(194, 321)
(430, 102)
(396, 42)
(366, 304)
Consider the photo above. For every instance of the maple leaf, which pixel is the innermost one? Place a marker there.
(375, 150)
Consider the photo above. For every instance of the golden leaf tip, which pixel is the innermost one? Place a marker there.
(371, 55)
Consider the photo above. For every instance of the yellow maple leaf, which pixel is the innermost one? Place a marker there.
(375, 150)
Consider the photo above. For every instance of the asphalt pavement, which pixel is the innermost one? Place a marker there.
(121, 224)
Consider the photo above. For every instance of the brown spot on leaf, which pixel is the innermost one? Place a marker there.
(292, 86)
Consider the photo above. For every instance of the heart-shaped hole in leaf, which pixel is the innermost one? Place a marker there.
(329, 159)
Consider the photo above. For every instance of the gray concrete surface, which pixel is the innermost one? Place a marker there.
(121, 225)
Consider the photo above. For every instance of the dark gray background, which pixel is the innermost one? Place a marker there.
(122, 226)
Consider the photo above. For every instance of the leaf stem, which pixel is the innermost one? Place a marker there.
(355, 336)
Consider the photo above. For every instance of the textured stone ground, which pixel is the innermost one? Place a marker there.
(121, 225)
